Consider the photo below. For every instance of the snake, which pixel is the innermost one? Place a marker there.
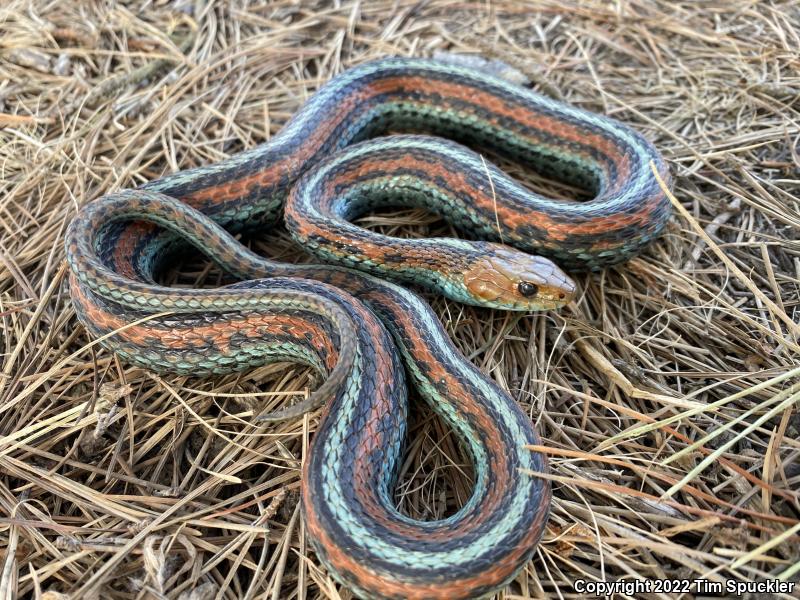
(393, 132)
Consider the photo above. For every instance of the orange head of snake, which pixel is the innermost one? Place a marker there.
(512, 280)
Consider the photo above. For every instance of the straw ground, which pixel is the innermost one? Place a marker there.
(666, 394)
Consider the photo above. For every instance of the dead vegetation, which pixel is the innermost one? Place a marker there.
(666, 395)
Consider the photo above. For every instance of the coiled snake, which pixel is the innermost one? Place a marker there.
(327, 166)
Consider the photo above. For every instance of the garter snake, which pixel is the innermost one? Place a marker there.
(351, 320)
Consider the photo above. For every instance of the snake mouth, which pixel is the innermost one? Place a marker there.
(509, 279)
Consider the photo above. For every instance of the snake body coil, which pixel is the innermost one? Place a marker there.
(327, 167)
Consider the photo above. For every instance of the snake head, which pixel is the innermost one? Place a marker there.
(512, 280)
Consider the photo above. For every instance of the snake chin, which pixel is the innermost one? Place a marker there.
(512, 280)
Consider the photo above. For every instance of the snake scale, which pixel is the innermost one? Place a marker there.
(351, 320)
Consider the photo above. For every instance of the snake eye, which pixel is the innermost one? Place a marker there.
(528, 289)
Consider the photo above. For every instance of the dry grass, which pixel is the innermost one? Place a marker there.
(666, 395)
